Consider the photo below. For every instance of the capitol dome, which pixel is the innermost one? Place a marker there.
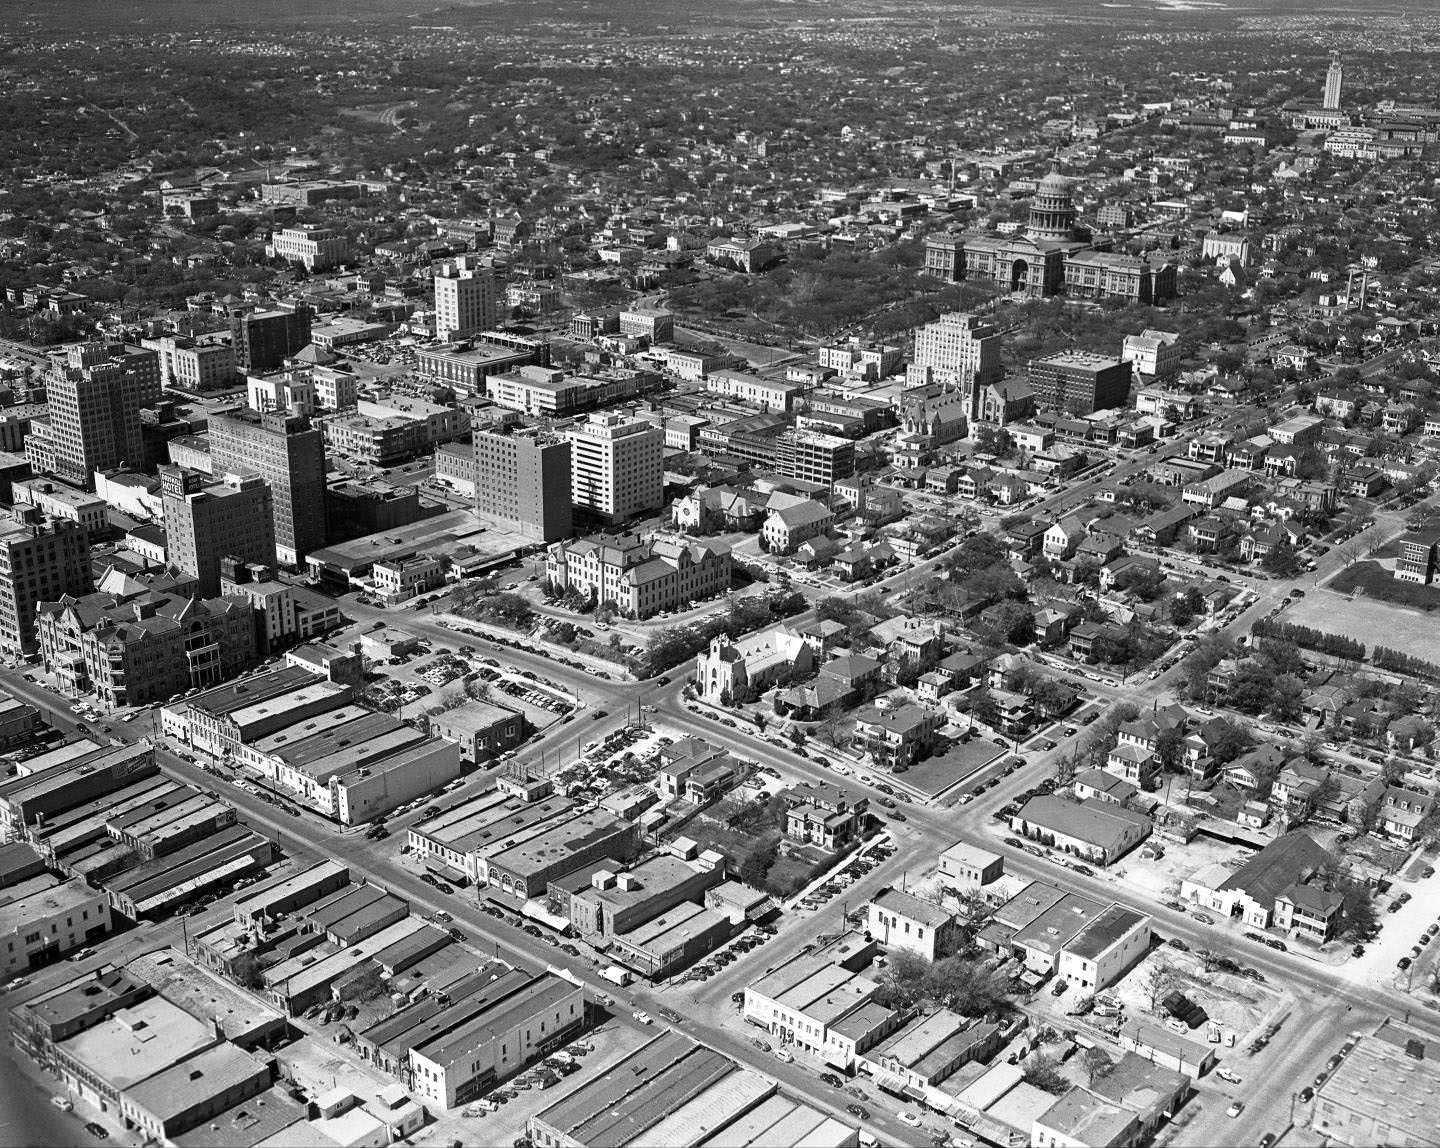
(1052, 212)
(1054, 184)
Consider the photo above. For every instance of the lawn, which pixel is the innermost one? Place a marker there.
(1376, 582)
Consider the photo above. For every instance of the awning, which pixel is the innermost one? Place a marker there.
(891, 1082)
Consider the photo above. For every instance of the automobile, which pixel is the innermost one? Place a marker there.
(784, 1055)
(898, 816)
(643, 1017)
(17, 983)
(1177, 943)
(1015, 843)
(831, 1079)
(859, 1111)
(1225, 1074)
(1001, 740)
(1357, 951)
(1058, 989)
(1204, 918)
(1428, 871)
(1306, 1093)
(1403, 963)
(444, 887)
(1236, 1107)
(64, 1103)
(1432, 930)
(910, 1119)
(669, 1014)
(1177, 906)
(99, 1131)
(442, 916)
(1278, 945)
(1321, 1078)
(1252, 974)
(1267, 1140)
(1083, 870)
(762, 1045)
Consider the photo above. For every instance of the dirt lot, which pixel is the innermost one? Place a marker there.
(1160, 878)
(1237, 1004)
(1369, 620)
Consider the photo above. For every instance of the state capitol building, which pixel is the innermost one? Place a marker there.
(1050, 257)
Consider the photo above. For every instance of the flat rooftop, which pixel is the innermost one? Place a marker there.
(39, 897)
(138, 1042)
(202, 994)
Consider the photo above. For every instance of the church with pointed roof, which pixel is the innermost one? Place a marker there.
(1052, 256)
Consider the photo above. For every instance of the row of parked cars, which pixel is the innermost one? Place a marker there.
(731, 953)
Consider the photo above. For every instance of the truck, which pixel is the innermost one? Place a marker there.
(616, 975)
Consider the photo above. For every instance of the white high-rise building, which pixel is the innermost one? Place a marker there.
(617, 466)
(1333, 79)
(466, 298)
(956, 350)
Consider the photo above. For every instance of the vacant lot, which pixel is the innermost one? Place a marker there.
(1370, 621)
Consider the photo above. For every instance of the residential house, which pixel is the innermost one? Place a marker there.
(825, 814)
(895, 737)
(1063, 536)
(1402, 811)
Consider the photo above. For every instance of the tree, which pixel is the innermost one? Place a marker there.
(1097, 1064)
(1043, 1072)
(759, 861)
(1285, 697)
(1358, 909)
(1170, 749)
(1226, 740)
(1369, 813)
(976, 553)
(834, 730)
(1157, 980)
(1051, 697)
(1281, 561)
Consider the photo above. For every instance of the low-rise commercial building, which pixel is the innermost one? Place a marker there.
(456, 1066)
(1386, 1090)
(187, 1094)
(902, 921)
(675, 1091)
(483, 730)
(1096, 831)
(519, 844)
(43, 917)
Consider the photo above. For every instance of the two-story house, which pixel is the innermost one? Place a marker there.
(895, 737)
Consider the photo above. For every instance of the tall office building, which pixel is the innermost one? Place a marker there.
(263, 340)
(956, 350)
(1333, 79)
(617, 467)
(522, 480)
(1080, 383)
(466, 298)
(289, 454)
(95, 398)
(313, 245)
(40, 561)
(206, 521)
